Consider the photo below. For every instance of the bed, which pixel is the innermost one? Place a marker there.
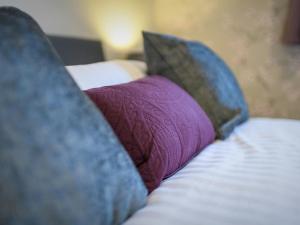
(252, 177)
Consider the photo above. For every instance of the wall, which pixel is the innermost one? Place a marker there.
(96, 19)
(247, 35)
(63, 17)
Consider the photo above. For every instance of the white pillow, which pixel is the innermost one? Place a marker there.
(107, 73)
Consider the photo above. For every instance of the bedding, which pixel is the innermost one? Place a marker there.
(106, 73)
(160, 125)
(202, 73)
(60, 161)
(251, 178)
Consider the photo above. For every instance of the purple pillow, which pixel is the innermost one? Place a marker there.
(161, 126)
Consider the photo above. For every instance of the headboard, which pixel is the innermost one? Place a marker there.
(74, 51)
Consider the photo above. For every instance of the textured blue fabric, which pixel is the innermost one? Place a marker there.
(202, 74)
(60, 162)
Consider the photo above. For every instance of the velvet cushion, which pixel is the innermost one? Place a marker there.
(203, 74)
(159, 124)
(60, 161)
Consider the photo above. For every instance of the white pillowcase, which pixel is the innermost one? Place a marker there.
(107, 73)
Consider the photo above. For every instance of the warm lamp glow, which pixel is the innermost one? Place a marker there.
(121, 36)
(119, 23)
(120, 31)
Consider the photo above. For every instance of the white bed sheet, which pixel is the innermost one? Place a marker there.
(253, 177)
(107, 73)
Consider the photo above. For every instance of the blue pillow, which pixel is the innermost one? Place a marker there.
(202, 74)
(60, 162)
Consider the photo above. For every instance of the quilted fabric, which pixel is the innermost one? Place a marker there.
(60, 161)
(202, 74)
(159, 124)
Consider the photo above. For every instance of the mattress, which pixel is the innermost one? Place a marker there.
(253, 177)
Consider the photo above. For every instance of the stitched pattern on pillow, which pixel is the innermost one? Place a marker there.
(159, 124)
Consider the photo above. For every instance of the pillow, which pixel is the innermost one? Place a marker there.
(160, 125)
(60, 161)
(202, 74)
(107, 73)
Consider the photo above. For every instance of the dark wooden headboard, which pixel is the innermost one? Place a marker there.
(74, 51)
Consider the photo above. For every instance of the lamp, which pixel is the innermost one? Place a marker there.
(119, 24)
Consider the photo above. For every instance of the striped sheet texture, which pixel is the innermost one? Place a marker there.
(253, 177)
